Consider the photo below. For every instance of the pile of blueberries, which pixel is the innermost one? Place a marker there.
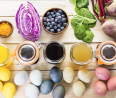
(55, 20)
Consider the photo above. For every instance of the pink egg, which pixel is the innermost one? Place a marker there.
(111, 84)
(100, 88)
(102, 73)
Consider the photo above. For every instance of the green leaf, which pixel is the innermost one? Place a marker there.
(86, 13)
(96, 8)
(89, 36)
(87, 22)
(82, 3)
(80, 31)
(71, 0)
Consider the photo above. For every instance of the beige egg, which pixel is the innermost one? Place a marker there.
(68, 74)
(84, 75)
(79, 88)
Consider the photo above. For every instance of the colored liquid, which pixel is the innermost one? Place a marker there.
(109, 52)
(3, 54)
(27, 52)
(54, 51)
(6, 59)
(81, 52)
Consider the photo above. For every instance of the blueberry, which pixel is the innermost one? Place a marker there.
(63, 16)
(44, 19)
(52, 19)
(58, 30)
(52, 13)
(60, 11)
(64, 19)
(56, 20)
(53, 23)
(48, 24)
(51, 27)
(45, 23)
(64, 24)
(52, 30)
(48, 28)
(50, 16)
(62, 28)
(58, 14)
(59, 18)
(48, 13)
(58, 26)
(47, 20)
(55, 27)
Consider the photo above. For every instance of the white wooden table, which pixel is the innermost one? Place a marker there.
(8, 10)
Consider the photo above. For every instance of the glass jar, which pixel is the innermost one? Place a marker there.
(106, 53)
(81, 53)
(54, 52)
(27, 52)
(6, 59)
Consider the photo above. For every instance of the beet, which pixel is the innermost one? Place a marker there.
(109, 28)
(111, 7)
(108, 25)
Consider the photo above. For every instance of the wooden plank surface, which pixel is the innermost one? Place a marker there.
(43, 65)
(8, 11)
(89, 93)
(66, 37)
(10, 8)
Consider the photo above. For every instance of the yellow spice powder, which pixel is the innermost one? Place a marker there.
(5, 29)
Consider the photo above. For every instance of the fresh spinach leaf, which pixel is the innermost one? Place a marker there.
(83, 21)
(80, 31)
(71, 0)
(87, 22)
(82, 3)
(89, 36)
(75, 3)
(86, 13)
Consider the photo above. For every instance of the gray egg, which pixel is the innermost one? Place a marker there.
(46, 87)
(56, 75)
(58, 92)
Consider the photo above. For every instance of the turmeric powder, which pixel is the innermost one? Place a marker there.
(5, 29)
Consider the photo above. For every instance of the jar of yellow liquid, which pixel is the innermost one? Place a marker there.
(81, 53)
(6, 59)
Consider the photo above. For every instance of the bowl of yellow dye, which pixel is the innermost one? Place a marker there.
(5, 56)
(6, 29)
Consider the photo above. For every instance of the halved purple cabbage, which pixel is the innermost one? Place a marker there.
(28, 22)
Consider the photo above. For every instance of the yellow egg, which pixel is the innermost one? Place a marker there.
(9, 90)
(5, 74)
(68, 74)
(1, 86)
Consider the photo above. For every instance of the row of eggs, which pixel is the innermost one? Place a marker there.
(46, 86)
(56, 76)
